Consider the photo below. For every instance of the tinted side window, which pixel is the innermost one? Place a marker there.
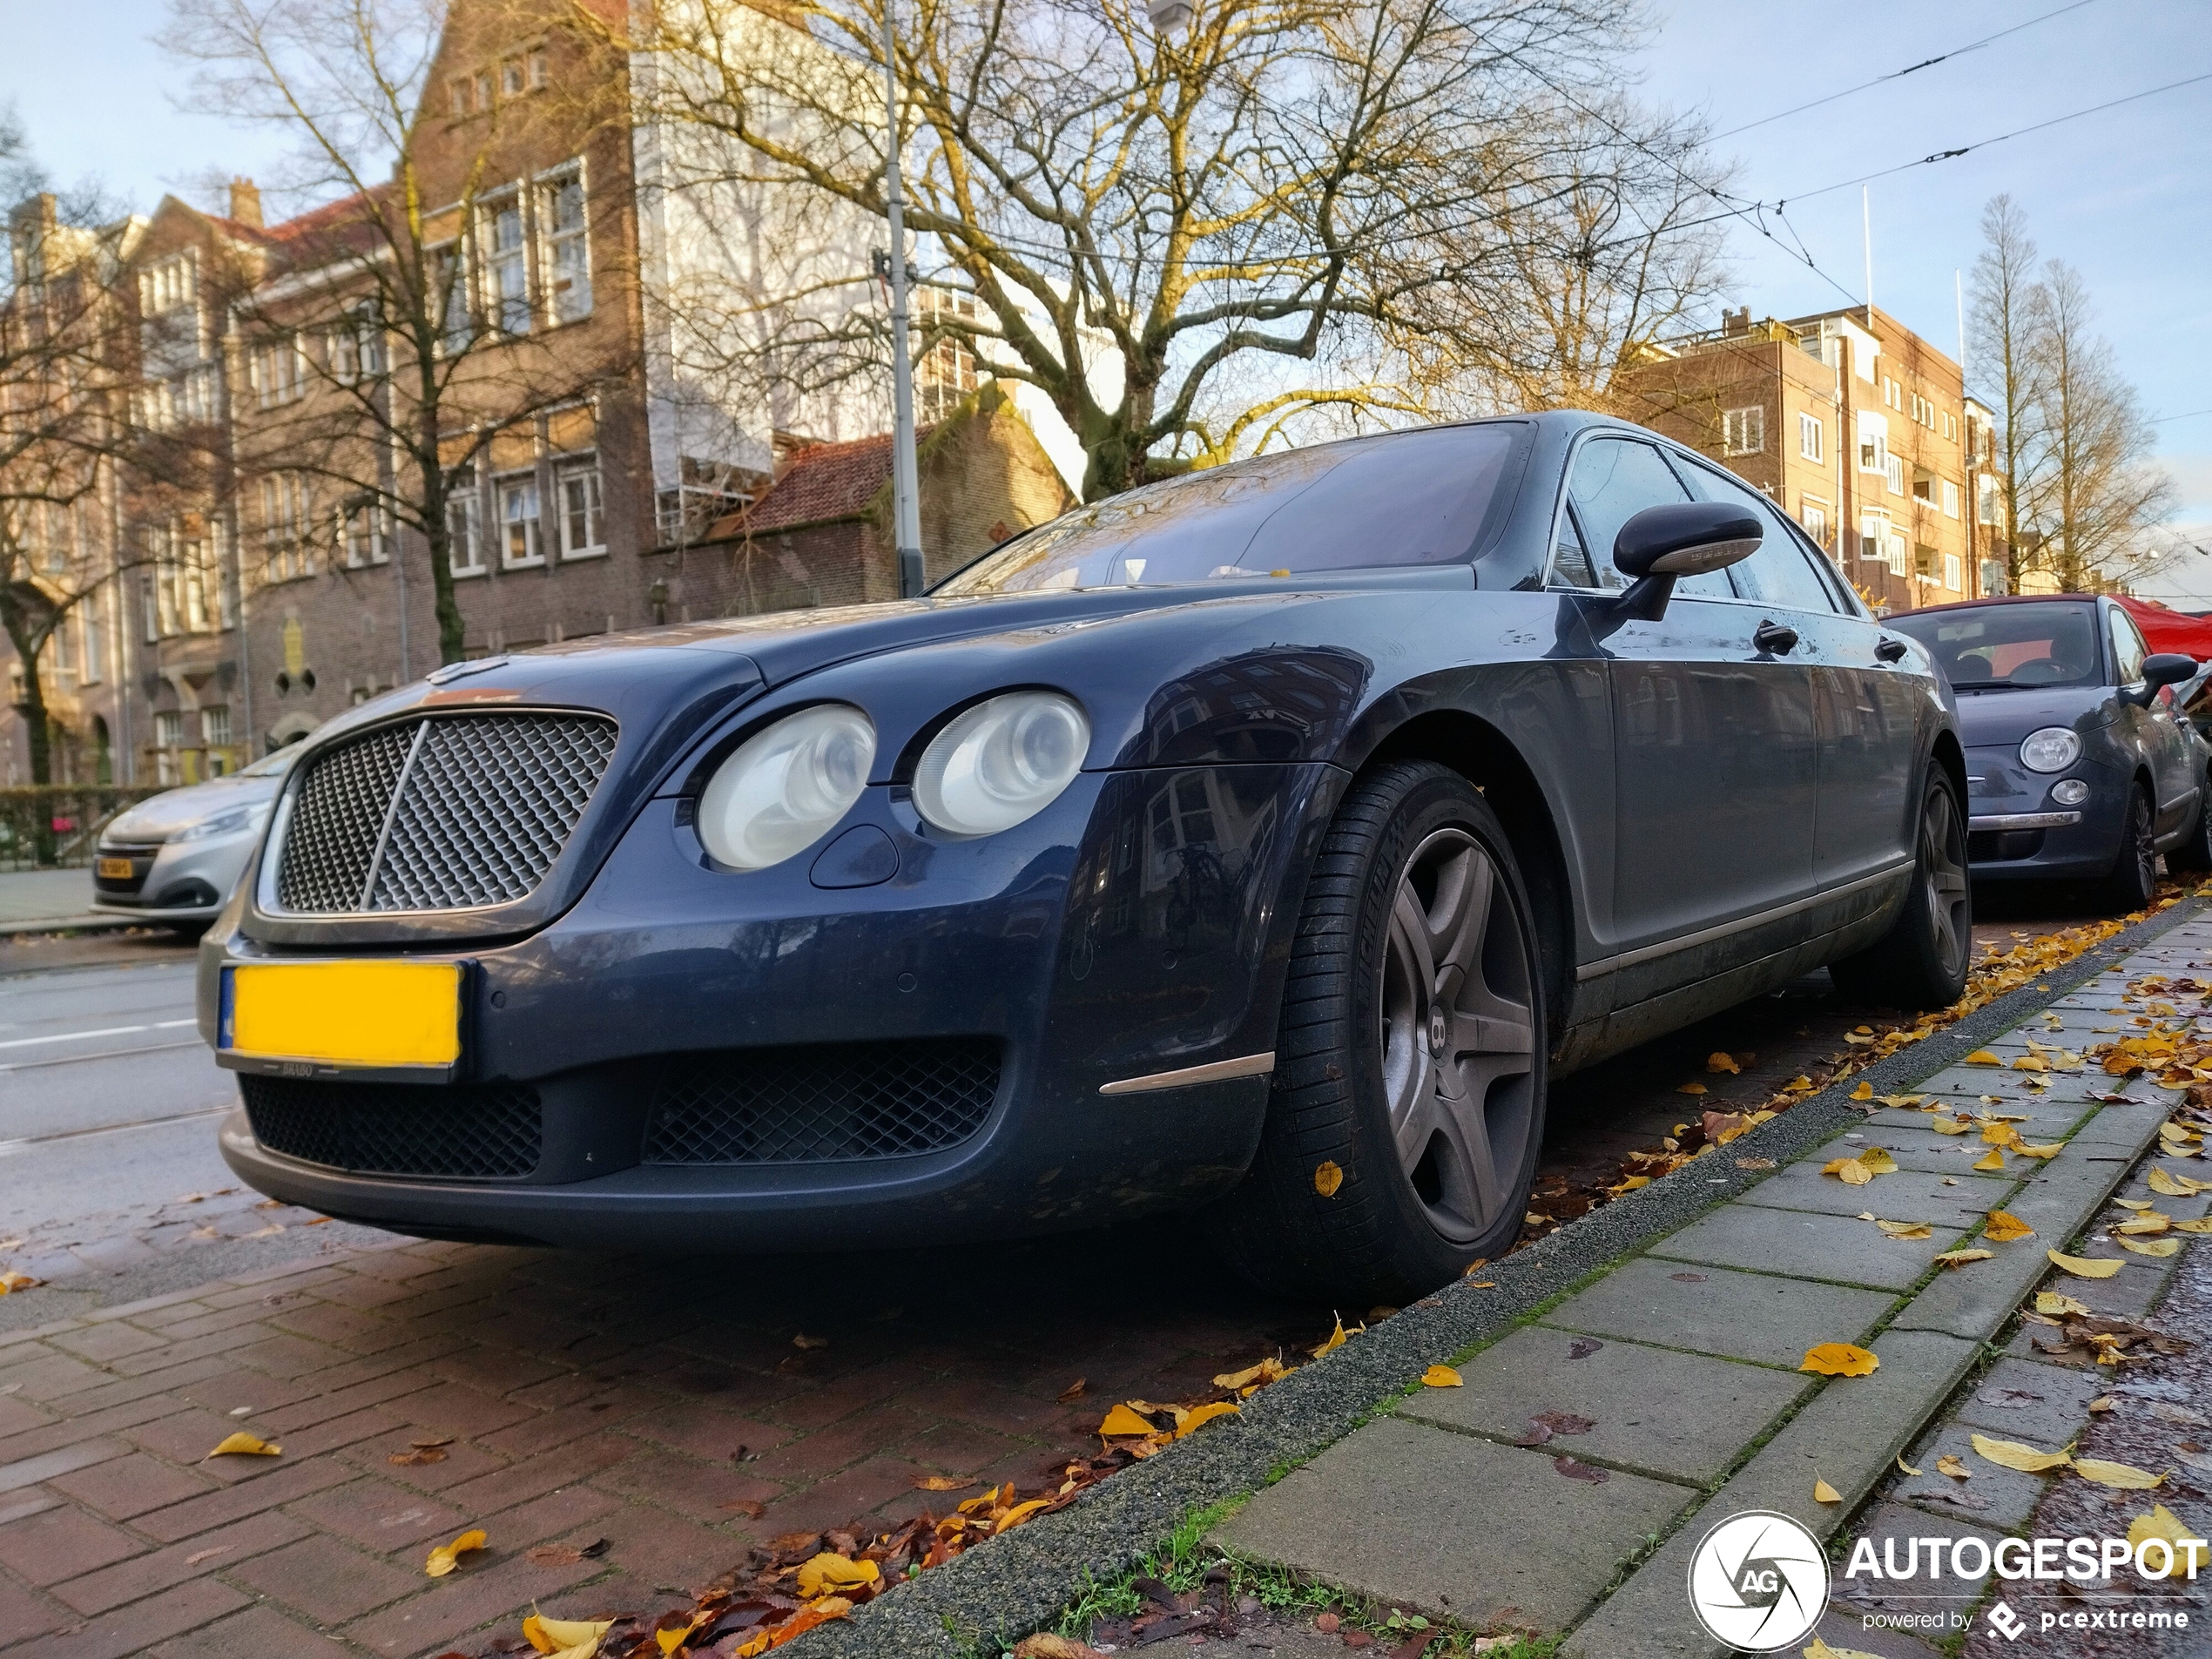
(1614, 479)
(2128, 647)
(1778, 574)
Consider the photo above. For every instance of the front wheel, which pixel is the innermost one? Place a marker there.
(1921, 962)
(2135, 870)
(1407, 1107)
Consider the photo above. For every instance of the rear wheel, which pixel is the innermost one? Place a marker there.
(1921, 962)
(1410, 1056)
(2134, 870)
(2195, 852)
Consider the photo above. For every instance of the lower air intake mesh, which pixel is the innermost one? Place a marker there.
(469, 1133)
(818, 1104)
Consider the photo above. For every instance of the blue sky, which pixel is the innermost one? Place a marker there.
(2126, 194)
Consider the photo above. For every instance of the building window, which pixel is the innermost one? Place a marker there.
(279, 371)
(1873, 443)
(541, 71)
(510, 77)
(1811, 437)
(1743, 431)
(1894, 466)
(457, 96)
(193, 570)
(284, 515)
(215, 724)
(90, 657)
(1949, 499)
(368, 531)
(484, 90)
(449, 277)
(464, 529)
(582, 533)
(168, 737)
(1954, 573)
(567, 250)
(518, 520)
(1898, 552)
(355, 352)
(1986, 499)
(1814, 516)
(507, 268)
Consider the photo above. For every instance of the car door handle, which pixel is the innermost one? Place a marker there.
(1774, 637)
(1891, 650)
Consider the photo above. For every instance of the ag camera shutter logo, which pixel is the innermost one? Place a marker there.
(1758, 1581)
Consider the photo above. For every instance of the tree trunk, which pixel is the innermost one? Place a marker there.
(437, 531)
(37, 723)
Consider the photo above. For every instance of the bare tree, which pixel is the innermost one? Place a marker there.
(1190, 241)
(2007, 367)
(2102, 498)
(386, 347)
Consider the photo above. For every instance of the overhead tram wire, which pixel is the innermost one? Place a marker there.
(1899, 74)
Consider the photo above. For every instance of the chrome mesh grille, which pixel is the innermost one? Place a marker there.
(868, 1099)
(443, 813)
(486, 1133)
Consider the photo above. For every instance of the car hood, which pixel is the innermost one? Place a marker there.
(1993, 718)
(180, 809)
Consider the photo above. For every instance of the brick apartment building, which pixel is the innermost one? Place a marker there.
(243, 613)
(1851, 423)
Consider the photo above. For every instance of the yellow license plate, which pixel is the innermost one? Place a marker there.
(345, 1014)
(115, 869)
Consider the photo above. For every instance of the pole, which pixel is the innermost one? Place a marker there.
(1866, 237)
(906, 505)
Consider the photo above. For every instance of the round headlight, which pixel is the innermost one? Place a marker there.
(2052, 749)
(1001, 761)
(785, 787)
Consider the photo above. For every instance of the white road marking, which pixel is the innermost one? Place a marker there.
(103, 1054)
(106, 1031)
(9, 1149)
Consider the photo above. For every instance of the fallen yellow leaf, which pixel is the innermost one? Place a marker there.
(1905, 1467)
(2200, 1225)
(2158, 1247)
(1953, 1466)
(2121, 1476)
(2168, 1185)
(564, 1636)
(830, 1572)
(1198, 1416)
(2011, 1454)
(1823, 1493)
(1022, 1512)
(11, 1280)
(1269, 1370)
(1994, 1161)
(1961, 1258)
(1983, 1058)
(1877, 1159)
(2151, 1220)
(1441, 1376)
(2002, 1227)
(939, 1483)
(1334, 1340)
(2084, 1266)
(1327, 1178)
(1850, 1171)
(1948, 1126)
(1689, 1088)
(2056, 1303)
(1906, 1229)
(1865, 1091)
(669, 1641)
(445, 1557)
(1121, 1420)
(2160, 1523)
(1839, 1360)
(1718, 1062)
(244, 1444)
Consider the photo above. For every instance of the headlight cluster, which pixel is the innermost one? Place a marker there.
(2052, 749)
(230, 823)
(994, 764)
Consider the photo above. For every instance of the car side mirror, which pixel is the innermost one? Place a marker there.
(2159, 669)
(1682, 538)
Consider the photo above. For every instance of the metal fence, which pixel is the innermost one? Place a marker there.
(58, 824)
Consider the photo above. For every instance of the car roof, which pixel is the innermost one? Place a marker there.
(2006, 599)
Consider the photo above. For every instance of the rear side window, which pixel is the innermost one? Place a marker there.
(1780, 573)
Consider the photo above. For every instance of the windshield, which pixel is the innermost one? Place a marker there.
(273, 766)
(1996, 648)
(1402, 498)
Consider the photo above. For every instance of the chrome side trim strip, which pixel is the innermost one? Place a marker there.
(1741, 924)
(1250, 1065)
(2022, 820)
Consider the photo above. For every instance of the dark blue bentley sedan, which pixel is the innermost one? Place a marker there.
(2078, 769)
(1308, 811)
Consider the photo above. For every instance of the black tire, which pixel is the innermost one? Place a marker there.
(1922, 962)
(2134, 869)
(1363, 1059)
(2194, 853)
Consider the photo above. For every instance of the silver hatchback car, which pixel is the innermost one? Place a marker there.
(174, 859)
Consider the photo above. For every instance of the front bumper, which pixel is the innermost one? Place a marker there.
(1140, 925)
(2016, 833)
(174, 881)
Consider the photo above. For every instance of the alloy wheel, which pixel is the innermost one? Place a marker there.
(1457, 1041)
(1943, 865)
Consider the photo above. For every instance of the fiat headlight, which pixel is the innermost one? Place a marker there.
(1001, 761)
(2052, 749)
(785, 787)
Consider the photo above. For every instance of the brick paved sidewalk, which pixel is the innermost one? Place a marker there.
(653, 1406)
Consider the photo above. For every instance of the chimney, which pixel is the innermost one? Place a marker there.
(245, 201)
(1736, 323)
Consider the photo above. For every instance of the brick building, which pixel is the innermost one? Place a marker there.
(1849, 421)
(283, 588)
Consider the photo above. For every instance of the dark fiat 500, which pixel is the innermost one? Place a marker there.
(2079, 767)
(1306, 810)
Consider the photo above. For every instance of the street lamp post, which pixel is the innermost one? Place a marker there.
(904, 492)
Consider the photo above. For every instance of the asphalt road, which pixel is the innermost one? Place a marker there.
(112, 1189)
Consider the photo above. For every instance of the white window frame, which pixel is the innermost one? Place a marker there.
(90, 666)
(365, 533)
(511, 313)
(1744, 431)
(1812, 437)
(561, 281)
(465, 539)
(278, 369)
(1954, 573)
(582, 471)
(1989, 507)
(1950, 497)
(518, 486)
(214, 732)
(1895, 469)
(1813, 518)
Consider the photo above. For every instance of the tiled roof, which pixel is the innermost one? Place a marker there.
(824, 482)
